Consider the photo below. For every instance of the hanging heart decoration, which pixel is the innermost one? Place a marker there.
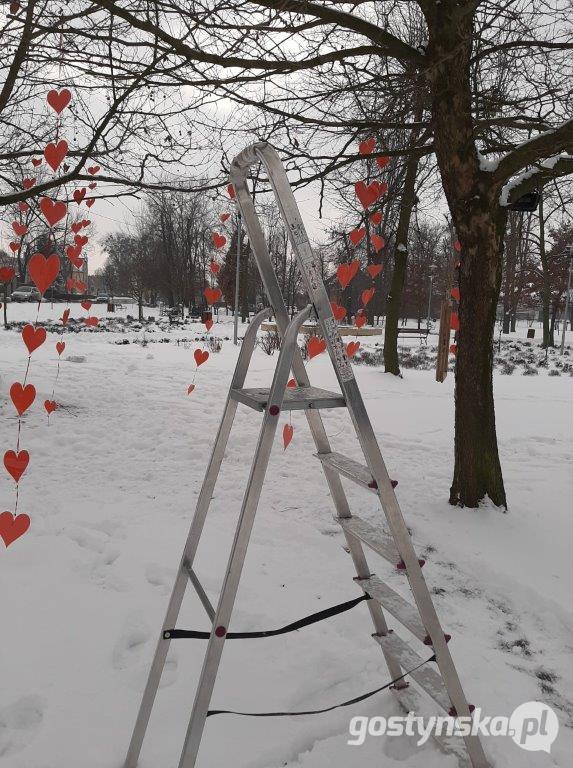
(76, 226)
(378, 242)
(36, 161)
(81, 240)
(12, 527)
(14, 247)
(374, 270)
(315, 346)
(291, 383)
(360, 319)
(59, 100)
(376, 218)
(367, 295)
(55, 153)
(382, 161)
(6, 274)
(50, 406)
(231, 191)
(201, 356)
(23, 207)
(60, 346)
(457, 246)
(338, 311)
(357, 235)
(352, 348)
(453, 349)
(367, 146)
(28, 183)
(219, 240)
(288, 431)
(455, 294)
(92, 184)
(346, 272)
(65, 317)
(53, 211)
(208, 325)
(214, 267)
(33, 337)
(22, 397)
(368, 194)
(19, 229)
(91, 322)
(224, 217)
(43, 271)
(93, 170)
(212, 295)
(190, 388)
(90, 202)
(455, 322)
(16, 463)
(79, 195)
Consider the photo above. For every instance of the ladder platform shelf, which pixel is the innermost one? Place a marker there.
(436, 675)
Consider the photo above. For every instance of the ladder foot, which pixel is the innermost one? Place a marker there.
(401, 565)
(428, 639)
(452, 712)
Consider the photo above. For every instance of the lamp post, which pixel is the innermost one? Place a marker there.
(237, 276)
(570, 249)
(431, 270)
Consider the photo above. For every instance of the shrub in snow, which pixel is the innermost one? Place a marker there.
(554, 372)
(529, 370)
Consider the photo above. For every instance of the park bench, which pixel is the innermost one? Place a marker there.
(422, 333)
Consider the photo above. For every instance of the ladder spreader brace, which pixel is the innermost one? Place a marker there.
(420, 619)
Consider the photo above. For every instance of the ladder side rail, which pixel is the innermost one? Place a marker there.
(365, 433)
(191, 544)
(240, 543)
(260, 250)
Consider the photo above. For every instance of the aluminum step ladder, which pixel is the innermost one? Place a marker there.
(420, 619)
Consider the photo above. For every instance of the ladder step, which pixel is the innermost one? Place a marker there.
(295, 398)
(375, 538)
(395, 604)
(426, 677)
(351, 469)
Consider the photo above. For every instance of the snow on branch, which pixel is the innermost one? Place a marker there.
(552, 168)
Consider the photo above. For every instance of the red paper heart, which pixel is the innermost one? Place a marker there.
(190, 388)
(212, 295)
(50, 406)
(219, 240)
(55, 153)
(455, 322)
(378, 242)
(93, 170)
(16, 463)
(53, 211)
(231, 191)
(214, 267)
(453, 349)
(338, 311)
(76, 227)
(81, 240)
(86, 222)
(360, 319)
(33, 337)
(367, 295)
(201, 356)
(14, 247)
(86, 305)
(28, 183)
(79, 195)
(376, 218)
(82, 288)
(91, 322)
(291, 383)
(6, 274)
(92, 184)
(352, 348)
(64, 318)
(224, 217)
(43, 271)
(346, 272)
(72, 254)
(22, 397)
(90, 202)
(23, 207)
(208, 325)
(60, 346)
(19, 229)
(288, 431)
(315, 346)
(36, 161)
(383, 161)
(367, 194)
(59, 100)
(457, 246)
(455, 294)
(374, 270)
(357, 235)
(11, 528)
(367, 146)
(70, 284)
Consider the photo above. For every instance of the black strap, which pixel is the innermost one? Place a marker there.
(355, 700)
(177, 634)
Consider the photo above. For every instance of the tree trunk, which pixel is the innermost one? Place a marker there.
(5, 305)
(140, 306)
(548, 329)
(394, 300)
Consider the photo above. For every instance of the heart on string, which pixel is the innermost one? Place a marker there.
(59, 100)
(383, 161)
(453, 349)
(36, 161)
(23, 207)
(378, 242)
(79, 195)
(367, 295)
(367, 193)
(376, 218)
(455, 322)
(65, 317)
(33, 337)
(76, 227)
(16, 463)
(352, 348)
(82, 288)
(201, 356)
(93, 170)
(315, 346)
(190, 388)
(86, 305)
(360, 319)
(19, 229)
(214, 267)
(231, 191)
(73, 257)
(455, 294)
(53, 211)
(14, 247)
(86, 222)
(374, 270)
(28, 183)
(22, 397)
(60, 346)
(288, 431)
(81, 240)
(6, 274)
(43, 271)
(338, 311)
(50, 406)
(12, 527)
(224, 217)
(367, 146)
(291, 383)
(208, 325)
(457, 246)
(219, 240)
(91, 322)
(357, 235)
(92, 184)
(55, 153)
(346, 272)
(90, 202)
(212, 295)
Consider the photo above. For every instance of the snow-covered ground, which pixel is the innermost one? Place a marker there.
(111, 488)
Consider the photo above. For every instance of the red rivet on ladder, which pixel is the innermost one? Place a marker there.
(274, 410)
(394, 483)
(452, 712)
(428, 639)
(401, 565)
(220, 631)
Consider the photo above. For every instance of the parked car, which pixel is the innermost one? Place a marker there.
(102, 298)
(26, 293)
